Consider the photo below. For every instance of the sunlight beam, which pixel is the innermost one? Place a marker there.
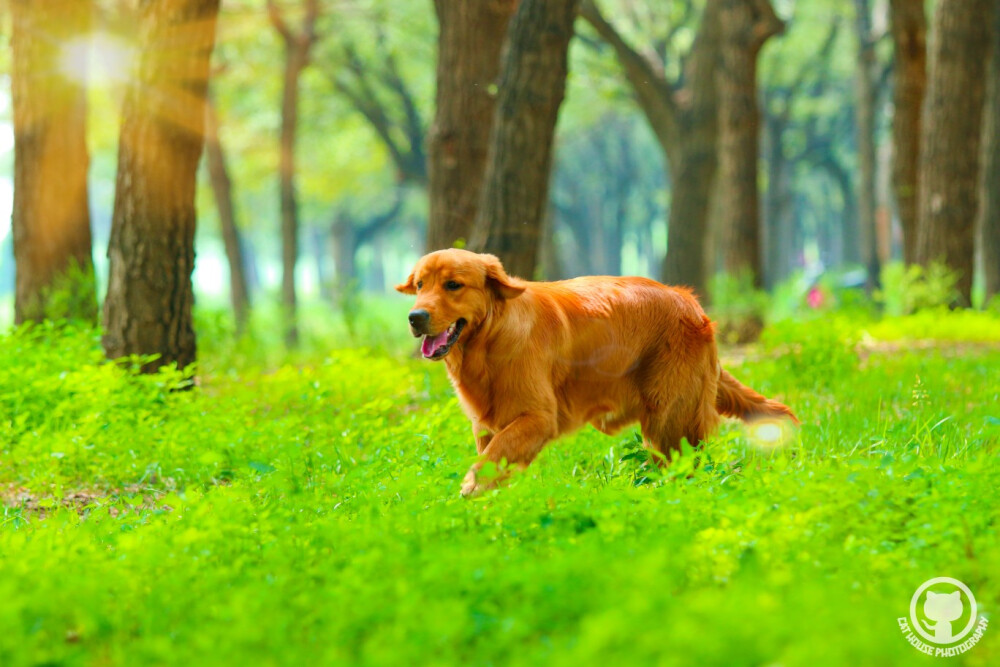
(98, 59)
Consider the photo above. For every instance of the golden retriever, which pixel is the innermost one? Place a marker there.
(534, 360)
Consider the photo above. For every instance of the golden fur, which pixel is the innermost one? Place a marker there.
(536, 360)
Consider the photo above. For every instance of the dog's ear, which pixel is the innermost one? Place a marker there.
(497, 278)
(409, 287)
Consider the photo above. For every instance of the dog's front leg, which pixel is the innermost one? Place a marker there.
(483, 436)
(518, 444)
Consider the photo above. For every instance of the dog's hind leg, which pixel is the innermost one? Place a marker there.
(692, 417)
(661, 435)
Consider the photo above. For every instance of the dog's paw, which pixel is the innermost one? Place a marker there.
(471, 486)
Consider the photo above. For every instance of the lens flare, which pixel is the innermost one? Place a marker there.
(769, 433)
(98, 59)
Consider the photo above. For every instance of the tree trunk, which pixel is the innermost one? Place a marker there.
(470, 38)
(909, 33)
(746, 25)
(222, 188)
(151, 252)
(294, 63)
(297, 48)
(990, 196)
(951, 133)
(693, 171)
(51, 215)
(319, 243)
(532, 85)
(865, 117)
(780, 244)
(847, 239)
(345, 245)
(686, 125)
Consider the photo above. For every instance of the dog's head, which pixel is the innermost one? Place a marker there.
(456, 290)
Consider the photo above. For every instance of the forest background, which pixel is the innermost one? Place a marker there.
(832, 195)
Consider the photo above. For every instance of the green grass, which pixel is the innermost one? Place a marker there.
(308, 513)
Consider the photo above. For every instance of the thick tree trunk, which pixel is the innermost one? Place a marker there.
(532, 85)
(990, 195)
(909, 33)
(51, 218)
(745, 26)
(222, 188)
(951, 134)
(471, 36)
(693, 171)
(865, 86)
(151, 252)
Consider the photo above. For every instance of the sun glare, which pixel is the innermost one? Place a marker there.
(97, 59)
(769, 434)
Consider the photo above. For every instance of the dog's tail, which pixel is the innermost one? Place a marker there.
(734, 399)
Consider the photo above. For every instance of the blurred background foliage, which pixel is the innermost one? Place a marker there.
(367, 100)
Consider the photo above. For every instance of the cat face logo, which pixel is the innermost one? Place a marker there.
(943, 611)
(934, 613)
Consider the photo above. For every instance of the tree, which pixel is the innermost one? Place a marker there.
(909, 34)
(745, 26)
(51, 218)
(867, 96)
(532, 85)
(349, 234)
(222, 188)
(151, 252)
(605, 188)
(298, 45)
(950, 137)
(989, 215)
(470, 38)
(379, 93)
(682, 113)
(808, 80)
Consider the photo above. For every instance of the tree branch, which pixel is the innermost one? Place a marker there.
(652, 90)
(766, 23)
(370, 229)
(278, 21)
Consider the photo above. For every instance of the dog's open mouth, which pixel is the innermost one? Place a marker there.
(436, 347)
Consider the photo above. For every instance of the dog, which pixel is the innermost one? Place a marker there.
(531, 361)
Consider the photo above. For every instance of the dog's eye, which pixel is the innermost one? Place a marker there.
(451, 286)
(420, 284)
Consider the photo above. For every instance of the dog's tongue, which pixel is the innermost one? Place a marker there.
(432, 345)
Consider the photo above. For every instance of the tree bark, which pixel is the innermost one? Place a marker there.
(685, 124)
(909, 33)
(51, 215)
(865, 117)
(951, 137)
(151, 252)
(222, 188)
(532, 86)
(470, 38)
(989, 215)
(298, 46)
(745, 26)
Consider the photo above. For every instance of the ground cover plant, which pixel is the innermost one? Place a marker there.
(306, 510)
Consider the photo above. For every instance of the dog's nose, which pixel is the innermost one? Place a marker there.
(419, 319)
